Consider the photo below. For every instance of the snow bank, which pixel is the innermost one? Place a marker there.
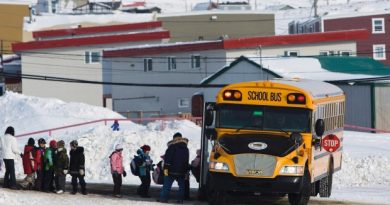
(28, 114)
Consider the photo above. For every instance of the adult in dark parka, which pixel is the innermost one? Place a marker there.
(77, 167)
(175, 167)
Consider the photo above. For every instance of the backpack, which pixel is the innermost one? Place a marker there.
(158, 173)
(195, 168)
(135, 164)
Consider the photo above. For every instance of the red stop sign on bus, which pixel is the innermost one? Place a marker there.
(331, 143)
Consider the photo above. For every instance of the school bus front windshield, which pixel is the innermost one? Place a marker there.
(264, 118)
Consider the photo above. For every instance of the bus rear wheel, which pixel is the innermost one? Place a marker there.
(326, 182)
(302, 198)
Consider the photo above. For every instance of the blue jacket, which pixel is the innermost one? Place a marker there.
(176, 157)
(145, 163)
(115, 127)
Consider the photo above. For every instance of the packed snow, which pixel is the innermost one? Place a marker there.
(363, 177)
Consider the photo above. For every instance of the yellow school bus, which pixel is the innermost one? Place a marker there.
(281, 136)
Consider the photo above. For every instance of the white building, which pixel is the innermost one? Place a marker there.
(76, 54)
(186, 64)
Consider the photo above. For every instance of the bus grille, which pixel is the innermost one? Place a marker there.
(254, 165)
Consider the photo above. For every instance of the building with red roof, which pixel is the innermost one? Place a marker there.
(188, 63)
(77, 54)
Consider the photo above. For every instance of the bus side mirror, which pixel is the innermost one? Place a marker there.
(211, 133)
(209, 115)
(320, 127)
(296, 138)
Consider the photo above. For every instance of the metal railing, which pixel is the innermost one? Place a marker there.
(105, 121)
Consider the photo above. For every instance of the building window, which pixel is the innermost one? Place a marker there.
(291, 53)
(378, 25)
(92, 57)
(379, 52)
(171, 63)
(184, 102)
(195, 61)
(345, 53)
(148, 64)
(324, 53)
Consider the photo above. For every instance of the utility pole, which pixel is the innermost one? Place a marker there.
(315, 8)
(261, 61)
(1, 62)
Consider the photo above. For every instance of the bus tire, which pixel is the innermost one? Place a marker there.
(326, 182)
(303, 197)
(217, 197)
(315, 187)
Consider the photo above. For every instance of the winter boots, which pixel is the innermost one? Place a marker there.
(83, 190)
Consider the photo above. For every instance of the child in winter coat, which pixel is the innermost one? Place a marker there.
(144, 171)
(48, 182)
(40, 151)
(77, 167)
(117, 170)
(115, 126)
(30, 164)
(61, 166)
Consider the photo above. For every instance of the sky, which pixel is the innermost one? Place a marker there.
(363, 178)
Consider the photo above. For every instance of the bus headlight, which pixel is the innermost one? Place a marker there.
(295, 170)
(220, 166)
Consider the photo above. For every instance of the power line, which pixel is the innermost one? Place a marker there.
(71, 80)
(29, 53)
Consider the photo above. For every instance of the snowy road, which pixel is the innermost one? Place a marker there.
(101, 194)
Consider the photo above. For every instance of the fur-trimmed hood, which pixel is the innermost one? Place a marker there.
(177, 141)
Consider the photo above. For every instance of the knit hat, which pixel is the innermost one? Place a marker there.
(31, 141)
(74, 143)
(53, 144)
(177, 134)
(145, 148)
(10, 130)
(118, 147)
(61, 144)
(41, 141)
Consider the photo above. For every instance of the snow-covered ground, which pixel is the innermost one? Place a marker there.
(364, 176)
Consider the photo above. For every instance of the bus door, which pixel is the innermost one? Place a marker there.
(208, 134)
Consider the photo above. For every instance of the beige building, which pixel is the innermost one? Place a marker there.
(11, 24)
(213, 25)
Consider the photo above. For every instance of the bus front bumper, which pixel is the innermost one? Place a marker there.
(279, 184)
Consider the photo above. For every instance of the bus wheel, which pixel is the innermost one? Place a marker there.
(217, 197)
(315, 187)
(326, 182)
(303, 197)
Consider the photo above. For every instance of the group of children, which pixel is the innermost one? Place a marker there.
(142, 166)
(46, 167)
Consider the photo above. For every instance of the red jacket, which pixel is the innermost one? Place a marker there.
(30, 164)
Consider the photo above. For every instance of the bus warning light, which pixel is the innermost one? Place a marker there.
(296, 98)
(233, 95)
